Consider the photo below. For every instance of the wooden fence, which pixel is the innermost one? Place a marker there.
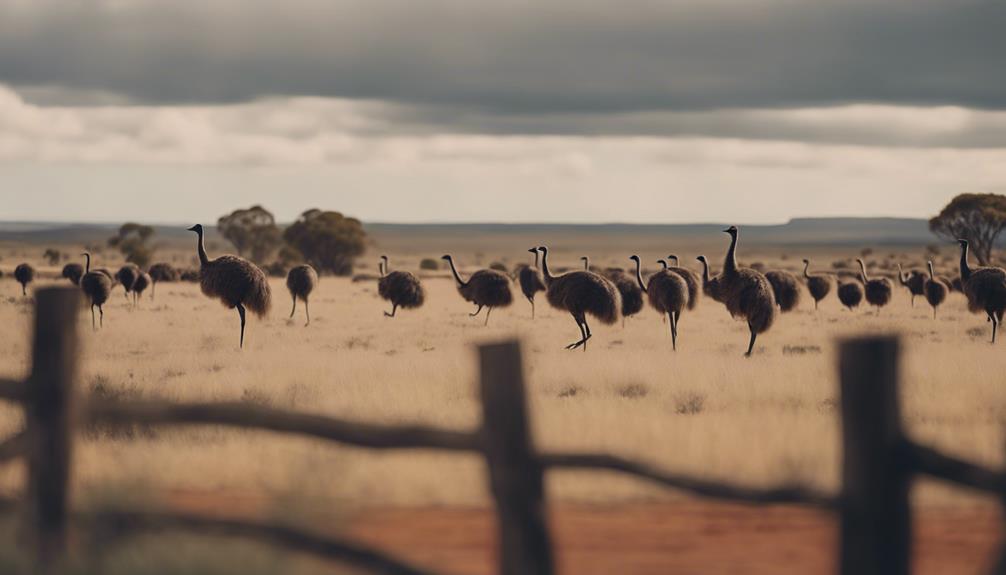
(879, 461)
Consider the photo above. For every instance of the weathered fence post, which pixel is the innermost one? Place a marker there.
(516, 475)
(48, 420)
(875, 511)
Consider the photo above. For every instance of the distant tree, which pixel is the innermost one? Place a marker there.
(133, 241)
(252, 231)
(52, 256)
(328, 241)
(978, 218)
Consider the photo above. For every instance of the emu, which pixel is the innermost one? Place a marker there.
(24, 274)
(126, 276)
(300, 282)
(786, 289)
(530, 280)
(985, 288)
(484, 288)
(161, 272)
(73, 272)
(877, 292)
(915, 282)
(934, 289)
(747, 293)
(819, 286)
(139, 286)
(692, 280)
(236, 282)
(97, 286)
(581, 293)
(850, 294)
(667, 293)
(402, 289)
(710, 286)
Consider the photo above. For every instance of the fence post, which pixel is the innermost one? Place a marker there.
(875, 511)
(516, 475)
(48, 421)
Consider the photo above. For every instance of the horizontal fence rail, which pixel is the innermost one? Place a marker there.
(879, 461)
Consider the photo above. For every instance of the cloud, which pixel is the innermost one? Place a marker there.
(513, 57)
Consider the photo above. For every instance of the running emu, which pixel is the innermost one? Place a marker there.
(97, 286)
(484, 288)
(747, 293)
(581, 293)
(914, 280)
(140, 286)
(530, 280)
(850, 294)
(985, 289)
(667, 293)
(786, 289)
(301, 281)
(24, 274)
(818, 286)
(235, 281)
(692, 279)
(402, 289)
(73, 272)
(710, 286)
(878, 292)
(934, 289)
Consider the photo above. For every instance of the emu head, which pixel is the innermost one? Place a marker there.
(701, 259)
(962, 242)
(533, 250)
(446, 257)
(198, 228)
(732, 230)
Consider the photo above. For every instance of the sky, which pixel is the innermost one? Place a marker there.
(750, 111)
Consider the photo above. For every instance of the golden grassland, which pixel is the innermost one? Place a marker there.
(704, 409)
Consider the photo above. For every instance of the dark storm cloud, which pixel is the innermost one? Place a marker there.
(514, 58)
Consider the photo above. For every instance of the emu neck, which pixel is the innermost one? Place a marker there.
(730, 265)
(87, 263)
(705, 272)
(544, 267)
(806, 268)
(862, 267)
(639, 278)
(203, 259)
(586, 264)
(902, 276)
(965, 268)
(457, 278)
(536, 258)
(932, 274)
(380, 268)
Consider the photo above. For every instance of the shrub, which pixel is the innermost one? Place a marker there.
(429, 264)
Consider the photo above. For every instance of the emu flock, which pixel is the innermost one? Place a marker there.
(606, 296)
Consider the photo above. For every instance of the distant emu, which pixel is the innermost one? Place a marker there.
(914, 280)
(97, 286)
(139, 286)
(786, 289)
(24, 274)
(235, 281)
(850, 294)
(126, 276)
(819, 286)
(747, 293)
(934, 289)
(632, 295)
(300, 281)
(581, 293)
(484, 288)
(985, 289)
(73, 272)
(667, 293)
(161, 272)
(530, 280)
(692, 280)
(402, 289)
(878, 292)
(710, 286)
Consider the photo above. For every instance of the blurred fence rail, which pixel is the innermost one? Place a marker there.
(878, 461)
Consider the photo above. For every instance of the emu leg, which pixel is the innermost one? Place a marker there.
(531, 299)
(751, 344)
(294, 310)
(476, 312)
(394, 308)
(307, 311)
(94, 326)
(815, 304)
(489, 311)
(241, 312)
(582, 324)
(101, 316)
(995, 326)
(24, 289)
(674, 330)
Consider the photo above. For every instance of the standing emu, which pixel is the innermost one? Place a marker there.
(139, 286)
(73, 272)
(402, 289)
(850, 294)
(985, 289)
(747, 293)
(710, 286)
(300, 281)
(581, 293)
(914, 280)
(235, 281)
(632, 295)
(667, 293)
(161, 272)
(530, 280)
(819, 286)
(484, 288)
(878, 292)
(126, 276)
(97, 286)
(934, 289)
(24, 274)
(786, 289)
(692, 280)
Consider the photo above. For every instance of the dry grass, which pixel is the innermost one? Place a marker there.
(704, 409)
